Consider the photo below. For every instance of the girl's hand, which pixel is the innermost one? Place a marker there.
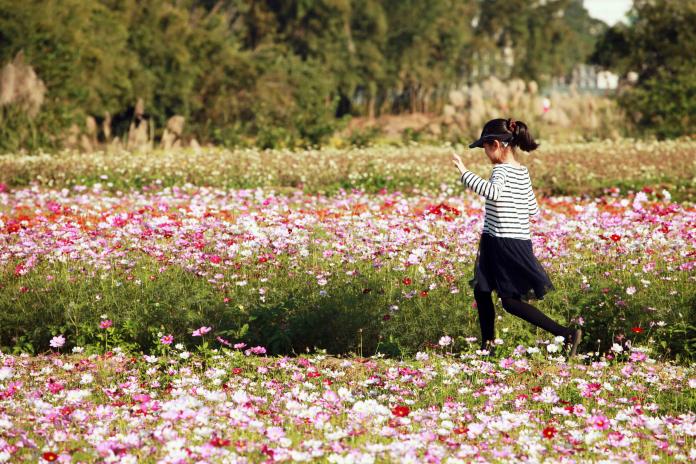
(458, 162)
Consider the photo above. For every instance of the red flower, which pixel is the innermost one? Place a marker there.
(215, 259)
(401, 411)
(219, 442)
(237, 370)
(461, 430)
(549, 432)
(18, 269)
(13, 227)
(615, 237)
(407, 281)
(386, 317)
(637, 330)
(49, 456)
(424, 293)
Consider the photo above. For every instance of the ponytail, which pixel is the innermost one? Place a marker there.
(521, 137)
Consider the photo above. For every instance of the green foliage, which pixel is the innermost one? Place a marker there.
(78, 48)
(547, 38)
(664, 104)
(364, 137)
(660, 46)
(239, 70)
(370, 312)
(19, 131)
(291, 108)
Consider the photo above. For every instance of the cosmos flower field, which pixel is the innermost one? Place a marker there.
(187, 322)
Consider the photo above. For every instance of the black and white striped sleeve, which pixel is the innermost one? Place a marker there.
(533, 204)
(489, 189)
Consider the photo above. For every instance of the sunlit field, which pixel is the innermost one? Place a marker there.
(262, 306)
(236, 405)
(556, 168)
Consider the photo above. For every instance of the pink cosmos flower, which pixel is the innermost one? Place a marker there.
(599, 422)
(255, 350)
(202, 331)
(167, 339)
(57, 341)
(105, 324)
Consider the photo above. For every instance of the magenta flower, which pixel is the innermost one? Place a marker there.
(167, 339)
(105, 324)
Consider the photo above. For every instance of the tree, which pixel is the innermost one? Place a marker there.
(547, 39)
(427, 48)
(659, 45)
(79, 49)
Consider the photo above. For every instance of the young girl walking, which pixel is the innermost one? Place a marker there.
(505, 261)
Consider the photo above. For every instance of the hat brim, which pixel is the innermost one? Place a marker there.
(479, 143)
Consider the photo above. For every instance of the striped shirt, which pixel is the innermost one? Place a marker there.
(509, 200)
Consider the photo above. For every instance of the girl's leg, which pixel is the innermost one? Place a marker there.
(486, 311)
(531, 314)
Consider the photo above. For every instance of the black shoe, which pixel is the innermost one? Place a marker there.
(574, 341)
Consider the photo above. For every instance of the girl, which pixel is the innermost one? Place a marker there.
(505, 261)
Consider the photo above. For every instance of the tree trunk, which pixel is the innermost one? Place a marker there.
(372, 93)
(413, 98)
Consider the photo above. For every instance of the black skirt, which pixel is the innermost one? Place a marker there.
(508, 266)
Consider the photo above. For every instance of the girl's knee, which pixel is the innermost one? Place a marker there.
(509, 304)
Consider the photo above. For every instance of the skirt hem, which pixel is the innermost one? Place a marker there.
(508, 266)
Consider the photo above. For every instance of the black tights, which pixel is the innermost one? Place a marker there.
(529, 313)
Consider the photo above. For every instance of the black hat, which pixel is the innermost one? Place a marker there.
(503, 137)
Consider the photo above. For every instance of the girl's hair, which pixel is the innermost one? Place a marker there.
(521, 137)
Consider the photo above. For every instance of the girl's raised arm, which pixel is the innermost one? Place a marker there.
(489, 189)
